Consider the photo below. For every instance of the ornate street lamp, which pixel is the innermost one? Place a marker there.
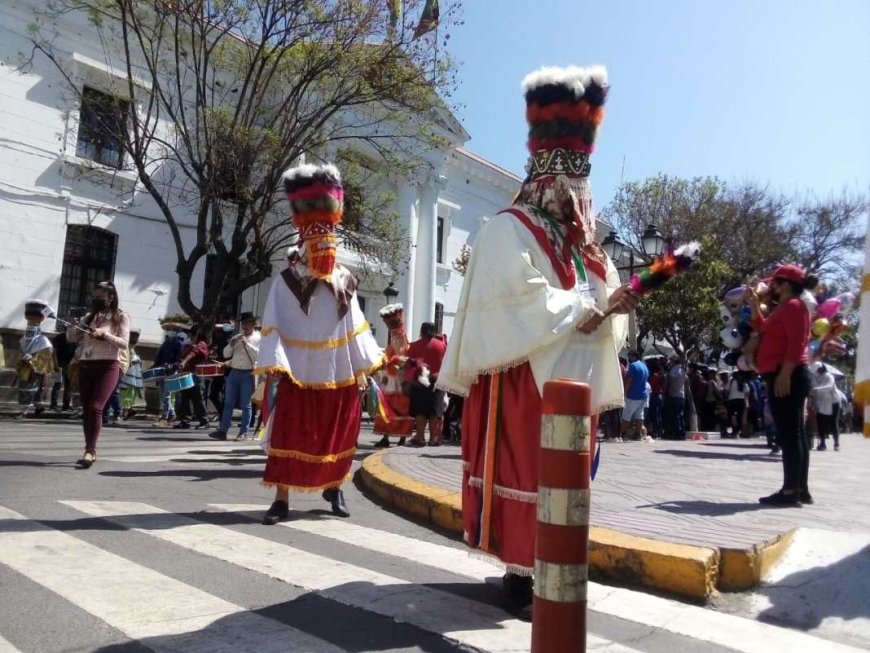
(652, 241)
(390, 293)
(613, 246)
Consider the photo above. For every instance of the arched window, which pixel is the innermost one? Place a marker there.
(88, 258)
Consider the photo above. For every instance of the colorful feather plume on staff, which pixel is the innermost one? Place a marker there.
(671, 263)
(379, 404)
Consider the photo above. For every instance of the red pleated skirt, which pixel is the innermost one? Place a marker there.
(313, 439)
(401, 424)
(501, 435)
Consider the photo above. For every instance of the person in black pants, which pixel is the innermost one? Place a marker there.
(194, 353)
(65, 351)
(782, 361)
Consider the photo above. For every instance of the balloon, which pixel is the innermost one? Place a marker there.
(834, 345)
(726, 316)
(821, 327)
(731, 338)
(745, 315)
(735, 295)
(731, 358)
(847, 301)
(808, 299)
(761, 288)
(814, 346)
(733, 299)
(829, 307)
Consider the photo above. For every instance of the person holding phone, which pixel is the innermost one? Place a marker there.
(104, 333)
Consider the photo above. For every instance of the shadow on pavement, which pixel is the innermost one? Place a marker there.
(193, 474)
(806, 598)
(706, 508)
(737, 444)
(349, 628)
(151, 521)
(32, 463)
(160, 438)
(443, 456)
(717, 455)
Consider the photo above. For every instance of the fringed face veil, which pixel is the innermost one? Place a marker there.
(564, 108)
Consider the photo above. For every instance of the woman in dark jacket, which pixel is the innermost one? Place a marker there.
(782, 362)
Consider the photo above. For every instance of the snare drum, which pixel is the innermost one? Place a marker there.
(154, 375)
(179, 383)
(210, 369)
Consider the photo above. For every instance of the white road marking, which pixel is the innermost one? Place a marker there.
(6, 646)
(143, 604)
(738, 633)
(459, 619)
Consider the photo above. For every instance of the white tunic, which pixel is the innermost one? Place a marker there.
(513, 309)
(318, 350)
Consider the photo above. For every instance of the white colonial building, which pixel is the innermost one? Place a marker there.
(64, 224)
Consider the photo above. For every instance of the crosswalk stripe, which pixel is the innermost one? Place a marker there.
(734, 632)
(6, 646)
(141, 603)
(421, 552)
(454, 617)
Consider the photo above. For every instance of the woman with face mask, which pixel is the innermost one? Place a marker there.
(783, 363)
(108, 334)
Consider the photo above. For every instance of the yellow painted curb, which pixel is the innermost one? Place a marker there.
(682, 569)
(690, 571)
(743, 569)
(441, 507)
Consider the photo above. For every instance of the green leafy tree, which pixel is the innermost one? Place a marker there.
(685, 312)
(230, 93)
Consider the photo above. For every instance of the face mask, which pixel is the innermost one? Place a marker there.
(99, 304)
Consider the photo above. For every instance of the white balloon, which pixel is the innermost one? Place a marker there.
(731, 338)
(809, 299)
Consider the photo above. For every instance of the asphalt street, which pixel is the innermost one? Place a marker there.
(159, 547)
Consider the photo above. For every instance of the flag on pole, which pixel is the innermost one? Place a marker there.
(395, 7)
(429, 19)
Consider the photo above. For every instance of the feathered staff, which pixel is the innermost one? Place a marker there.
(666, 267)
(379, 404)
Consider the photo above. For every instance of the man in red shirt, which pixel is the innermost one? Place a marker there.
(427, 403)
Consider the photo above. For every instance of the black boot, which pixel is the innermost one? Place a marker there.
(383, 443)
(517, 592)
(278, 511)
(336, 498)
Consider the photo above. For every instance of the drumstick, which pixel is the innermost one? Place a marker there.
(87, 330)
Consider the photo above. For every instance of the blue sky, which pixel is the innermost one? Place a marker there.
(773, 91)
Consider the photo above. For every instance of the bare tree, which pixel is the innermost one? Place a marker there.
(828, 236)
(226, 94)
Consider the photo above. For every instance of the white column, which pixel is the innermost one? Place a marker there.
(424, 278)
(407, 201)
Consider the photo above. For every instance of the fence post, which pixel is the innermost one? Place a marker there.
(562, 541)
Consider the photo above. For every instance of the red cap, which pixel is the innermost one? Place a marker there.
(790, 273)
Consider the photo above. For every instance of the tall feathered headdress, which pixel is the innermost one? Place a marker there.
(564, 108)
(316, 199)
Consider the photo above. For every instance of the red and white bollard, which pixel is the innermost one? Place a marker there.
(562, 543)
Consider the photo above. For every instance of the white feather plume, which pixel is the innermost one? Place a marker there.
(689, 250)
(389, 309)
(309, 170)
(574, 77)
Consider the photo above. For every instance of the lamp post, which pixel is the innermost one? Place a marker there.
(390, 293)
(652, 244)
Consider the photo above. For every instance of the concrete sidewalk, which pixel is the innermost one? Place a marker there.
(680, 517)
